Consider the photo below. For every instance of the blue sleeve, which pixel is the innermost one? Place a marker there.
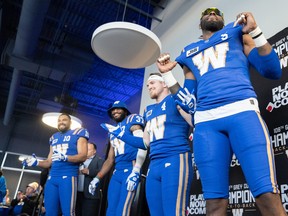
(134, 141)
(82, 132)
(268, 65)
(191, 85)
(135, 119)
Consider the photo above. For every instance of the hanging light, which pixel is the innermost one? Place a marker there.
(51, 119)
(125, 44)
(68, 104)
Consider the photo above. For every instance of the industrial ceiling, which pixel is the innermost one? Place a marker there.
(47, 63)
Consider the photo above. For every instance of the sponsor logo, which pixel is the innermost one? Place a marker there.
(149, 113)
(192, 51)
(234, 161)
(279, 98)
(196, 205)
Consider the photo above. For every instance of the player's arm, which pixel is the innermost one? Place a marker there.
(165, 66)
(134, 177)
(108, 164)
(189, 82)
(146, 138)
(185, 115)
(260, 53)
(123, 134)
(82, 149)
(137, 131)
(136, 140)
(185, 97)
(46, 163)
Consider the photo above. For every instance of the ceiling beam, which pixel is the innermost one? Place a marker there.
(138, 10)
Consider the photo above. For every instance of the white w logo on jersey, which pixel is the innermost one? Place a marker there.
(216, 57)
(156, 127)
(163, 107)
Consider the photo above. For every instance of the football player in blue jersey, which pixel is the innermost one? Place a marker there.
(227, 117)
(128, 161)
(68, 148)
(170, 170)
(166, 132)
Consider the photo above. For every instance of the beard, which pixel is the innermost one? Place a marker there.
(121, 117)
(211, 26)
(62, 128)
(153, 96)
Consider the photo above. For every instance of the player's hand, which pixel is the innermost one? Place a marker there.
(115, 130)
(58, 156)
(164, 63)
(93, 185)
(246, 19)
(133, 181)
(30, 161)
(186, 100)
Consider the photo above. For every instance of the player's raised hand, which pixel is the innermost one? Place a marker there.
(30, 161)
(58, 156)
(164, 63)
(93, 185)
(246, 19)
(186, 100)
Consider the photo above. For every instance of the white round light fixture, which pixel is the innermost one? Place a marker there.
(126, 45)
(51, 119)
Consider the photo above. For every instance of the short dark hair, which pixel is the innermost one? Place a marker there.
(95, 146)
(65, 114)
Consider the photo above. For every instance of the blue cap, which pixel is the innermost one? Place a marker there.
(118, 104)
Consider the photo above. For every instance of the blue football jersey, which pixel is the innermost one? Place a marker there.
(124, 154)
(212, 61)
(67, 144)
(167, 129)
